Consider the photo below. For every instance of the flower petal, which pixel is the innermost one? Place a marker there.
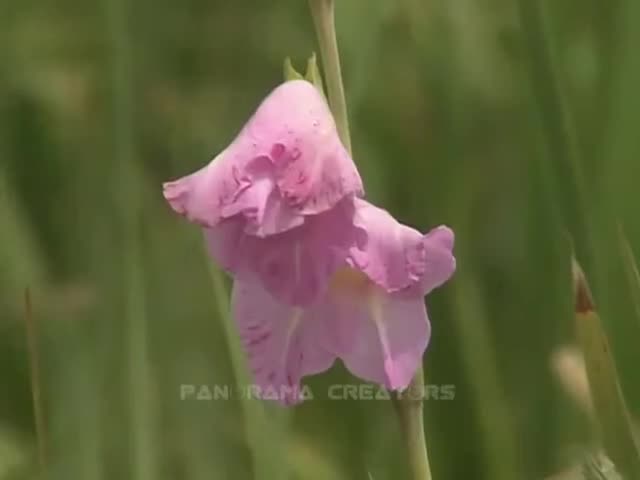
(286, 163)
(393, 254)
(382, 336)
(196, 196)
(399, 258)
(440, 264)
(294, 266)
(282, 342)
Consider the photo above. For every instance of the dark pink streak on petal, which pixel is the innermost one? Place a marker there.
(289, 349)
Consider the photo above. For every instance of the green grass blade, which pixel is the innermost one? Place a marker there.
(480, 363)
(144, 463)
(558, 129)
(313, 73)
(265, 427)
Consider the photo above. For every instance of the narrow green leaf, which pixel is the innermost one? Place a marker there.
(289, 72)
(265, 428)
(613, 418)
(130, 210)
(564, 157)
(313, 73)
(480, 364)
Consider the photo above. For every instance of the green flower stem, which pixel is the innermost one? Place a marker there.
(322, 12)
(409, 407)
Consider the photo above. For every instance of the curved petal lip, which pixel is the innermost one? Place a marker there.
(398, 258)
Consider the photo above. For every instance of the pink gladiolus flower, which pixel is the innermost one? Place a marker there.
(372, 315)
(319, 273)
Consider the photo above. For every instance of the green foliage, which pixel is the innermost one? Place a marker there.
(99, 106)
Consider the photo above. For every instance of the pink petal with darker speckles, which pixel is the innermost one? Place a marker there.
(398, 258)
(285, 164)
(282, 342)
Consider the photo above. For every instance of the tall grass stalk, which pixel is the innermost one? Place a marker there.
(265, 431)
(126, 181)
(498, 439)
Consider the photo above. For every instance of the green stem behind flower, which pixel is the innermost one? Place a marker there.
(264, 428)
(322, 12)
(409, 407)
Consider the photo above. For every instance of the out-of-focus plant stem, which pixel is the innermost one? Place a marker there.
(129, 208)
(323, 13)
(263, 434)
(409, 407)
(499, 445)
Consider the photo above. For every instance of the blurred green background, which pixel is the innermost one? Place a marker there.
(100, 102)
